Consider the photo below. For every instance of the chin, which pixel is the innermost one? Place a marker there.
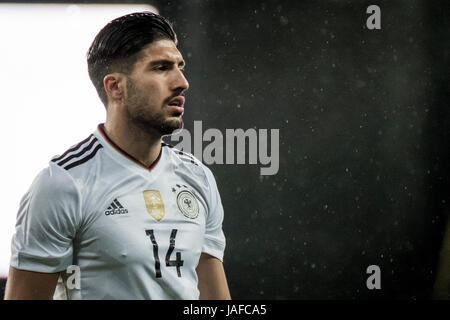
(171, 125)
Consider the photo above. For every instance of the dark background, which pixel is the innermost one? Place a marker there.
(364, 127)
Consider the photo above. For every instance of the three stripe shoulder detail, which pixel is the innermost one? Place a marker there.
(186, 157)
(79, 154)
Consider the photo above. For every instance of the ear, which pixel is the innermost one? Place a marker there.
(114, 84)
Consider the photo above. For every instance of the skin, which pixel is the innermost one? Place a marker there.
(442, 283)
(212, 282)
(138, 116)
(138, 102)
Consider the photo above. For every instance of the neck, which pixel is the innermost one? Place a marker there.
(139, 144)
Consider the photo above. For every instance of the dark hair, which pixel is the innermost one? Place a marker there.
(116, 46)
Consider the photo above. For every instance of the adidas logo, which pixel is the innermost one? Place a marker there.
(115, 208)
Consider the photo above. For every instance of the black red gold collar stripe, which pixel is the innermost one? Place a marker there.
(124, 153)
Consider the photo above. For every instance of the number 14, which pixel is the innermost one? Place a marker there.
(169, 263)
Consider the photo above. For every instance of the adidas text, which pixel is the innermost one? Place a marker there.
(115, 211)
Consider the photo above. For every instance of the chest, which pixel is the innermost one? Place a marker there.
(149, 226)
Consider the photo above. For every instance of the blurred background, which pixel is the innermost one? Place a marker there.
(363, 117)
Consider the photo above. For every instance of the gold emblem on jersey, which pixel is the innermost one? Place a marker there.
(154, 203)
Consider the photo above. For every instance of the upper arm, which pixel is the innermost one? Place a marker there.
(25, 285)
(442, 282)
(212, 282)
(214, 238)
(46, 224)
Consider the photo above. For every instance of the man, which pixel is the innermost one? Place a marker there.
(122, 215)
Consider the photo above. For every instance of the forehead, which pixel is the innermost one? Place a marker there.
(161, 49)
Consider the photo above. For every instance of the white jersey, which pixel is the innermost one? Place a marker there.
(132, 232)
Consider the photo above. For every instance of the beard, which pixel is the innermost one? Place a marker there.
(150, 121)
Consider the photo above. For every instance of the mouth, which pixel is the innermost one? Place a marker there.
(176, 105)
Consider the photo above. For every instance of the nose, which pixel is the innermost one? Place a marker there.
(180, 82)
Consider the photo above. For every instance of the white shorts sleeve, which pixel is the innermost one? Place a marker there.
(46, 223)
(214, 243)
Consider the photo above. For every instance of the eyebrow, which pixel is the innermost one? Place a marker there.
(165, 62)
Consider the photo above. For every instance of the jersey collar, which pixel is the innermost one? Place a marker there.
(116, 149)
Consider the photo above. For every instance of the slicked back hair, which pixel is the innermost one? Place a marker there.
(116, 46)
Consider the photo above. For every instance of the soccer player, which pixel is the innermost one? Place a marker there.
(121, 215)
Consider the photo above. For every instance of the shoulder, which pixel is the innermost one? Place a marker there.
(187, 162)
(178, 155)
(52, 197)
(78, 154)
(55, 183)
(70, 170)
(184, 160)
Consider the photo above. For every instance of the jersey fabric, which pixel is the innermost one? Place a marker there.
(131, 232)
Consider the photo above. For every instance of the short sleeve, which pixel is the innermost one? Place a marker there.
(214, 243)
(46, 223)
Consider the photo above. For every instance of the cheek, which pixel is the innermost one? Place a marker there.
(155, 94)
